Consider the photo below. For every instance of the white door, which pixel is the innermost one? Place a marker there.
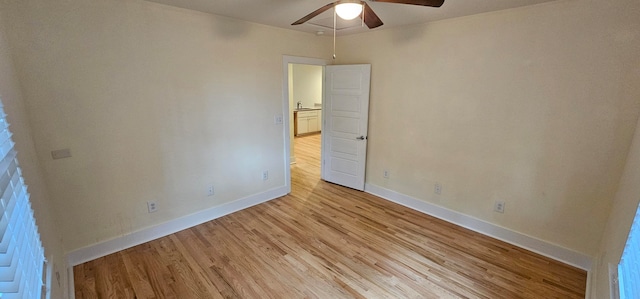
(346, 113)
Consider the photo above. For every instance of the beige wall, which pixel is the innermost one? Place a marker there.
(307, 84)
(42, 204)
(535, 106)
(155, 103)
(622, 213)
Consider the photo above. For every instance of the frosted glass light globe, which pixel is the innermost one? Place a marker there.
(348, 11)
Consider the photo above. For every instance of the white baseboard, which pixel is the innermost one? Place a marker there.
(144, 235)
(547, 249)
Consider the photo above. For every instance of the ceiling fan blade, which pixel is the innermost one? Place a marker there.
(315, 13)
(432, 3)
(370, 18)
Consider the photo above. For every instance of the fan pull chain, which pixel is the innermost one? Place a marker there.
(334, 33)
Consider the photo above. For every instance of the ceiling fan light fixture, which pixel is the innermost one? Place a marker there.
(348, 11)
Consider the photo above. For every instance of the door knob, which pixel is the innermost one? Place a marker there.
(361, 138)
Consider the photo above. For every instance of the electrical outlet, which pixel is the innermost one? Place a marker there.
(265, 175)
(499, 206)
(152, 206)
(210, 191)
(277, 119)
(437, 188)
(385, 174)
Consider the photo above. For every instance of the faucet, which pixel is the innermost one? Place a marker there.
(299, 105)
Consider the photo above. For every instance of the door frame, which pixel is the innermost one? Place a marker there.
(286, 60)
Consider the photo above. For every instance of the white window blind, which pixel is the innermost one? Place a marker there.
(21, 252)
(629, 267)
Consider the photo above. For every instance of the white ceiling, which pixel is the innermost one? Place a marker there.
(281, 13)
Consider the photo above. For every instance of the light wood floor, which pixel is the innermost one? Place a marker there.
(325, 241)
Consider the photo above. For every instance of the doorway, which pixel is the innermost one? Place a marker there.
(305, 106)
(345, 97)
(309, 96)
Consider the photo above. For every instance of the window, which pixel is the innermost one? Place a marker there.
(21, 252)
(629, 267)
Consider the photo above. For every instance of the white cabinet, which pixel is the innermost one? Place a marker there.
(307, 122)
(303, 125)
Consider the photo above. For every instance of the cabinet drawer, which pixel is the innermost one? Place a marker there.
(303, 114)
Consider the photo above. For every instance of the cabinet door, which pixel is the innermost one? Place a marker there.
(313, 124)
(303, 125)
(319, 120)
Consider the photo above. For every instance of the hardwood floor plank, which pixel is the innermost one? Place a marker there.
(149, 276)
(326, 241)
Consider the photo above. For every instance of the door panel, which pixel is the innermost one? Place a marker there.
(347, 104)
(346, 113)
(345, 125)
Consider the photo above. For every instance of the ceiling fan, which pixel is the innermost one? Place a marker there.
(350, 9)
